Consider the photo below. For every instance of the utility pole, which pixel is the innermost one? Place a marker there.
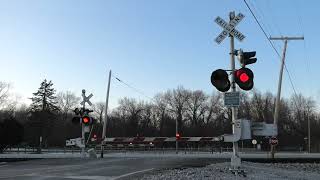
(40, 145)
(177, 143)
(83, 127)
(277, 106)
(309, 134)
(105, 117)
(235, 160)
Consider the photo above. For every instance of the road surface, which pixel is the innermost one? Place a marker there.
(95, 169)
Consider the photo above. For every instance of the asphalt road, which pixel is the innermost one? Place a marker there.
(95, 169)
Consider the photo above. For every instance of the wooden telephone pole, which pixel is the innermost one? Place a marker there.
(277, 106)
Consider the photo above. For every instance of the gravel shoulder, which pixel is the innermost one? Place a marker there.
(254, 171)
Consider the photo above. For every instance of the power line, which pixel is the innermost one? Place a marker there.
(272, 45)
(302, 31)
(274, 23)
(259, 13)
(264, 32)
(133, 88)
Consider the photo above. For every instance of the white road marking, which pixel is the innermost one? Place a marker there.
(75, 177)
(3, 164)
(90, 177)
(132, 173)
(57, 168)
(46, 168)
(80, 177)
(44, 172)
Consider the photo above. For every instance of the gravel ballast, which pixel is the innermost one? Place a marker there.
(254, 171)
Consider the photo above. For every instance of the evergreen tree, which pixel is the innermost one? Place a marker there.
(44, 99)
(43, 113)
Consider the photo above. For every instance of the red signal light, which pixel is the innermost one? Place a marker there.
(244, 77)
(86, 120)
(177, 136)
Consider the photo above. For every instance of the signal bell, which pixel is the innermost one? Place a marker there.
(244, 78)
(220, 80)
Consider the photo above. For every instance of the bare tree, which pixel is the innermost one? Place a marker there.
(268, 109)
(147, 122)
(130, 110)
(66, 101)
(9, 107)
(196, 107)
(21, 113)
(301, 108)
(214, 108)
(244, 110)
(177, 100)
(262, 107)
(160, 108)
(257, 106)
(99, 109)
(4, 94)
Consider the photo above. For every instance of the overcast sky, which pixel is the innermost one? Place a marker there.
(151, 45)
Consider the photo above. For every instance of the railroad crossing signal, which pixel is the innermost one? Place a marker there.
(86, 120)
(220, 80)
(244, 76)
(82, 116)
(229, 28)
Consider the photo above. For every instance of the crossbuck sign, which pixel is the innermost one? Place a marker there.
(229, 28)
(86, 99)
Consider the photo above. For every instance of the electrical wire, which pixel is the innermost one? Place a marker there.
(264, 32)
(260, 15)
(307, 60)
(272, 45)
(272, 25)
(133, 88)
(275, 25)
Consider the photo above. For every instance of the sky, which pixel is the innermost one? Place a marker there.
(151, 45)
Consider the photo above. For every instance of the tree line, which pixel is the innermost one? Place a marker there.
(197, 114)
